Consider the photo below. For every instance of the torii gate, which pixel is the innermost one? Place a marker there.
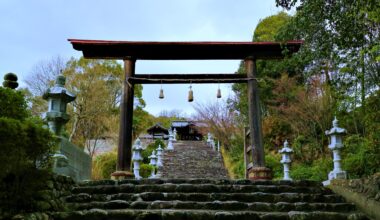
(131, 51)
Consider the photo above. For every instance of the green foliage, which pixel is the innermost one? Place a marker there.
(150, 148)
(10, 81)
(104, 165)
(317, 171)
(272, 161)
(267, 29)
(141, 121)
(12, 104)
(234, 157)
(145, 170)
(361, 156)
(25, 152)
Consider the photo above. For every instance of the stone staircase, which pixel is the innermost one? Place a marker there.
(178, 195)
(192, 159)
(170, 199)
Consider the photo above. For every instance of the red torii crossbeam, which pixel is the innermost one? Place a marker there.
(130, 51)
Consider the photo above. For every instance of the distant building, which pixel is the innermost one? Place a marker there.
(157, 131)
(189, 130)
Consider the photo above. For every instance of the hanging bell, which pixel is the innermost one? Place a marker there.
(219, 94)
(190, 97)
(161, 96)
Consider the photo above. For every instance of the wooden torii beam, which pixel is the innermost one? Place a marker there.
(131, 51)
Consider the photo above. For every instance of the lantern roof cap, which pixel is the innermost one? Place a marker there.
(137, 145)
(159, 148)
(286, 148)
(335, 129)
(59, 91)
(153, 155)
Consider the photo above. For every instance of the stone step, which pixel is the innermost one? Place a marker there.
(218, 205)
(207, 197)
(165, 214)
(305, 183)
(197, 188)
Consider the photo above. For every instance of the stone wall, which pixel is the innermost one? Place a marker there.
(365, 193)
(51, 198)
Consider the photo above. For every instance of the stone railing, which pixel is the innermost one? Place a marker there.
(365, 193)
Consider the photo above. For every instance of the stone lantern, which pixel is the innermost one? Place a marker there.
(159, 156)
(58, 98)
(286, 151)
(136, 158)
(170, 143)
(213, 144)
(153, 162)
(209, 137)
(336, 143)
(175, 134)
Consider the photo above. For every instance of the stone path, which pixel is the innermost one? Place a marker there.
(192, 159)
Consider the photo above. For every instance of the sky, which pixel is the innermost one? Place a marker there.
(35, 31)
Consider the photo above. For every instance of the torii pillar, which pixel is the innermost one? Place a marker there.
(258, 171)
(124, 154)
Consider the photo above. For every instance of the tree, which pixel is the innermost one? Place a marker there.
(341, 39)
(97, 84)
(26, 146)
(220, 120)
(40, 78)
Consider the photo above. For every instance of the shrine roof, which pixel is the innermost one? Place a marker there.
(154, 50)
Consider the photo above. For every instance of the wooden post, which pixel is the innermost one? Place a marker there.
(124, 154)
(258, 171)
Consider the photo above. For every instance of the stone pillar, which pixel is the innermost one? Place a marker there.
(336, 143)
(153, 162)
(286, 151)
(258, 171)
(136, 158)
(159, 156)
(123, 166)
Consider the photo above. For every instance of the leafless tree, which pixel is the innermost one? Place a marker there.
(43, 74)
(220, 119)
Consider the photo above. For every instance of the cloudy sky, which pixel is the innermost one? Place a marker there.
(34, 31)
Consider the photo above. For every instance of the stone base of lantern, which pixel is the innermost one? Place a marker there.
(121, 175)
(260, 173)
(335, 175)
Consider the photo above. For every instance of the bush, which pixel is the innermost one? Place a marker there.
(272, 161)
(104, 165)
(25, 152)
(360, 156)
(145, 170)
(318, 171)
(12, 104)
(234, 157)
